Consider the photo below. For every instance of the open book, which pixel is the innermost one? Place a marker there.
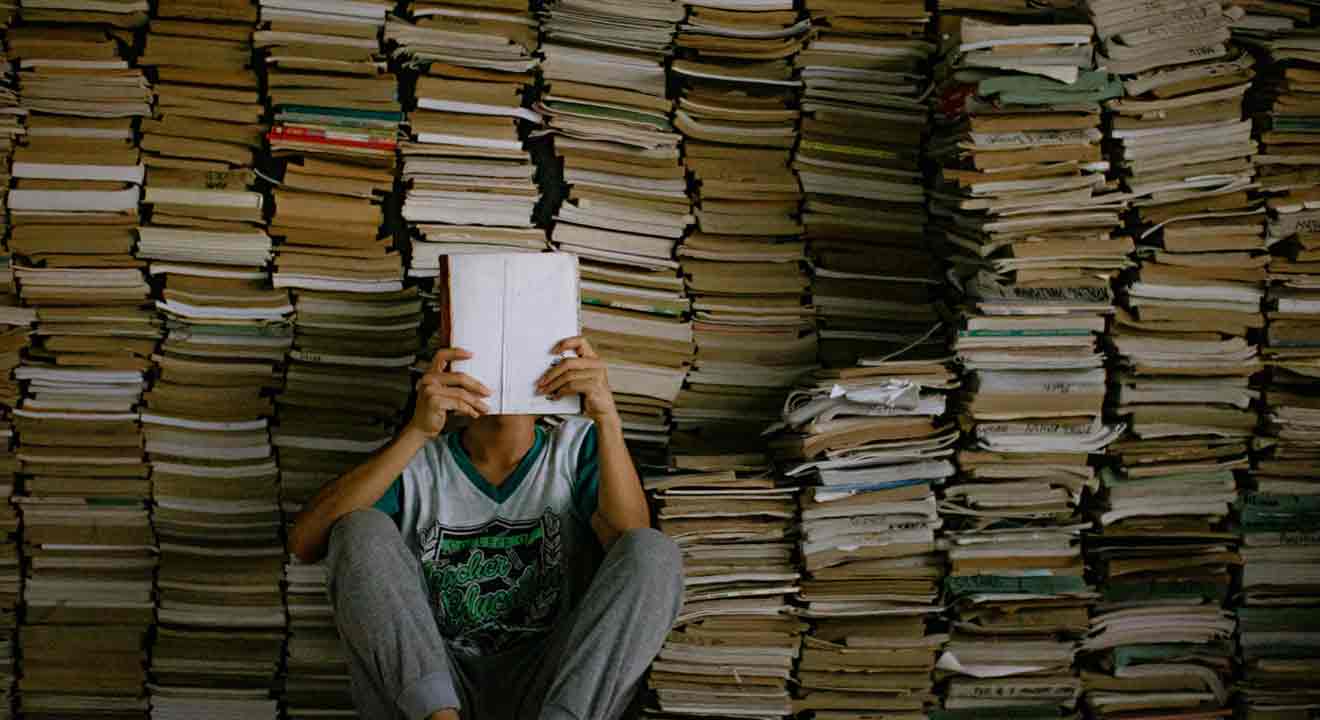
(509, 310)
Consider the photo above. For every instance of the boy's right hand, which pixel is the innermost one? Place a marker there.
(441, 392)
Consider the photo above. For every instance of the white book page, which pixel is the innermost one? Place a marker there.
(541, 308)
(476, 316)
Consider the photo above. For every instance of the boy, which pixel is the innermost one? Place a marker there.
(503, 618)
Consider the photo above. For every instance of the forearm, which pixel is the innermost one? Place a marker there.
(620, 501)
(358, 488)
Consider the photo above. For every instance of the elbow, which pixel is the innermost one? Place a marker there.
(301, 546)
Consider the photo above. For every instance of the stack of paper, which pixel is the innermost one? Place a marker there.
(88, 538)
(1186, 335)
(1024, 213)
(871, 442)
(470, 183)
(336, 114)
(15, 335)
(17, 327)
(624, 200)
(347, 382)
(317, 681)
(1184, 152)
(1279, 612)
(214, 477)
(863, 128)
(732, 651)
(1012, 649)
(199, 145)
(223, 673)
(1160, 641)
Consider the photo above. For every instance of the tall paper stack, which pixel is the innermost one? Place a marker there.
(732, 651)
(470, 184)
(15, 333)
(863, 128)
(336, 131)
(871, 441)
(1026, 216)
(743, 267)
(215, 482)
(74, 206)
(625, 201)
(1277, 608)
(317, 685)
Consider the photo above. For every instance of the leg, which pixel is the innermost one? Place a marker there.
(596, 656)
(400, 666)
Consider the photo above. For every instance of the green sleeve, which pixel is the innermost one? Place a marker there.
(586, 483)
(391, 503)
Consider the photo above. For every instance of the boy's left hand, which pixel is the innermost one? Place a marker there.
(585, 375)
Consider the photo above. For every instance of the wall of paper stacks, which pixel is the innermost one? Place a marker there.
(970, 350)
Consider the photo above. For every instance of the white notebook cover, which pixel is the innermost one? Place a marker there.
(509, 310)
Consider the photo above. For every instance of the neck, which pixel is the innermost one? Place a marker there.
(500, 440)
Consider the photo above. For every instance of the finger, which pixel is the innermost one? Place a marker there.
(455, 404)
(581, 386)
(444, 356)
(568, 365)
(578, 344)
(558, 384)
(466, 396)
(453, 379)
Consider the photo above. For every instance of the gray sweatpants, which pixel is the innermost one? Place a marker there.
(587, 668)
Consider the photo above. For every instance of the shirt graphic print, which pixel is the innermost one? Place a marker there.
(494, 585)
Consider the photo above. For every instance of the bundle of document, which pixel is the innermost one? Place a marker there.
(863, 130)
(89, 542)
(872, 444)
(1278, 615)
(16, 324)
(347, 381)
(199, 144)
(336, 114)
(732, 650)
(470, 184)
(317, 676)
(1161, 640)
(623, 196)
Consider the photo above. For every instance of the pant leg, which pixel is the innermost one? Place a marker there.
(400, 665)
(596, 656)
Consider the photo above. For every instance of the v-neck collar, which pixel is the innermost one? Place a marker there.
(510, 486)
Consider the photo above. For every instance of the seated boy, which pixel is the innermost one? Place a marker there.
(463, 565)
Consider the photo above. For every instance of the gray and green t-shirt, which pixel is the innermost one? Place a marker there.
(500, 563)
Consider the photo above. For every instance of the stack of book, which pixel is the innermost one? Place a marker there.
(1025, 215)
(15, 333)
(336, 122)
(14, 337)
(1027, 218)
(199, 145)
(738, 113)
(469, 183)
(214, 477)
(337, 116)
(1279, 612)
(624, 201)
(317, 681)
(871, 442)
(732, 649)
(74, 206)
(346, 384)
(1160, 640)
(863, 127)
(1192, 306)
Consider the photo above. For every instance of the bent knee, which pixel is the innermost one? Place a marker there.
(653, 554)
(358, 535)
(361, 525)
